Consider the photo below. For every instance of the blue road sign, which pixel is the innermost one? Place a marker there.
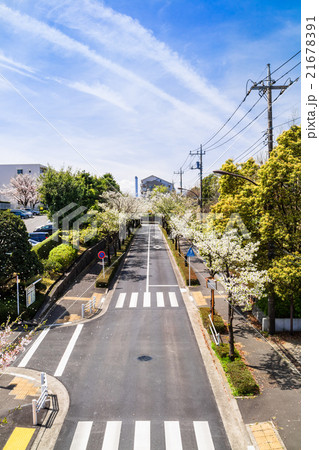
(190, 252)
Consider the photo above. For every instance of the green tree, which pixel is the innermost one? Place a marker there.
(59, 188)
(279, 199)
(16, 256)
(286, 277)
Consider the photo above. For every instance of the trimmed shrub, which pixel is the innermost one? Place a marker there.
(60, 258)
(241, 378)
(43, 249)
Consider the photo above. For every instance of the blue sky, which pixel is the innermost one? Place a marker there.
(132, 86)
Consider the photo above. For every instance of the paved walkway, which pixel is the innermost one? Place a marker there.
(279, 402)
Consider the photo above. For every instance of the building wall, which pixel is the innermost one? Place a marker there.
(150, 182)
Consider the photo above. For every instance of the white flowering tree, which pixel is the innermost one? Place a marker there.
(232, 262)
(10, 350)
(23, 189)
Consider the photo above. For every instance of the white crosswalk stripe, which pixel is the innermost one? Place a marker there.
(81, 436)
(203, 437)
(142, 436)
(142, 439)
(173, 299)
(147, 300)
(112, 435)
(160, 299)
(173, 440)
(133, 301)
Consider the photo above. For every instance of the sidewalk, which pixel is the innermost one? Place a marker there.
(277, 407)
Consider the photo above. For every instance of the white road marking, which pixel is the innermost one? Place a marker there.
(112, 435)
(64, 360)
(173, 299)
(173, 440)
(148, 260)
(133, 301)
(120, 301)
(147, 300)
(142, 436)
(34, 347)
(160, 299)
(81, 436)
(203, 437)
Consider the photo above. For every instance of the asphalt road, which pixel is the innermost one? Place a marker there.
(34, 222)
(135, 375)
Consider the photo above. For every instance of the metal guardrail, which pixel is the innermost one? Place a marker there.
(37, 405)
(88, 307)
(216, 336)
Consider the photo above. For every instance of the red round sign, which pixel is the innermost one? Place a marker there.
(101, 255)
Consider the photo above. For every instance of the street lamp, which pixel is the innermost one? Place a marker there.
(223, 172)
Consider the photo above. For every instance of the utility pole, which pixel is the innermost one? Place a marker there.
(268, 90)
(199, 166)
(180, 172)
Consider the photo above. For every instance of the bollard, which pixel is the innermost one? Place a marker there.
(34, 412)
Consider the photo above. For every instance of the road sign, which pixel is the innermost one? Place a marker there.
(101, 255)
(190, 252)
(212, 284)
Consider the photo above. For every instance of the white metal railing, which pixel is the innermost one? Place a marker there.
(37, 405)
(216, 336)
(88, 307)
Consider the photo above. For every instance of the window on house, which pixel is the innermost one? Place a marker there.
(19, 171)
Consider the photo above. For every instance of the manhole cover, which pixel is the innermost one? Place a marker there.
(144, 358)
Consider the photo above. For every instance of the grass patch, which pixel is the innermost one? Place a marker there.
(218, 320)
(240, 379)
(180, 260)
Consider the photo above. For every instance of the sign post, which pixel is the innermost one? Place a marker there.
(212, 285)
(30, 293)
(101, 255)
(189, 255)
(18, 300)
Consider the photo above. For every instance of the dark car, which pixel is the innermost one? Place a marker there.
(20, 213)
(48, 228)
(38, 236)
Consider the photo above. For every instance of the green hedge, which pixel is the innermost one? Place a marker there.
(240, 378)
(60, 258)
(218, 320)
(43, 249)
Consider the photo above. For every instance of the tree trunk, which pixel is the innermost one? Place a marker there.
(230, 329)
(291, 315)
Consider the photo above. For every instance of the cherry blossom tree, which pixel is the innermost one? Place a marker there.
(23, 189)
(231, 261)
(8, 350)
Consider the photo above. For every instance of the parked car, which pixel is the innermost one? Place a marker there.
(34, 212)
(33, 242)
(38, 236)
(29, 213)
(20, 213)
(48, 228)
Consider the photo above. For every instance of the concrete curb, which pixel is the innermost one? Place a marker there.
(46, 437)
(236, 430)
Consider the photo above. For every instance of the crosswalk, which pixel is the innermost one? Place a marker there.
(142, 437)
(146, 300)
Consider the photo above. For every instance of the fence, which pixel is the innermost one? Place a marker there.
(38, 404)
(216, 336)
(89, 306)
